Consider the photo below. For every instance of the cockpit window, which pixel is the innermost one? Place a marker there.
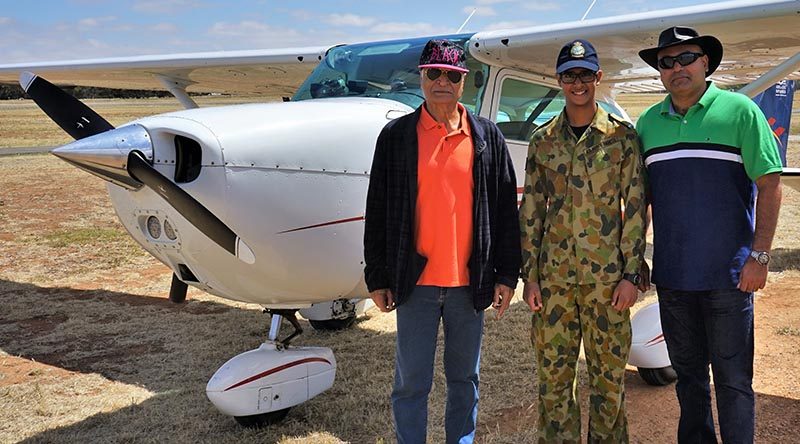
(384, 69)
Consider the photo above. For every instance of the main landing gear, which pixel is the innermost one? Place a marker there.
(258, 387)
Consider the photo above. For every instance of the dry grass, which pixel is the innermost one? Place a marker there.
(91, 350)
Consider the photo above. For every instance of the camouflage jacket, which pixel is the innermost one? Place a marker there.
(572, 223)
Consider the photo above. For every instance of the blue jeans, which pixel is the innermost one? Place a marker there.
(716, 327)
(417, 328)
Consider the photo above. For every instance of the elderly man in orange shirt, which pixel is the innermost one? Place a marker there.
(440, 242)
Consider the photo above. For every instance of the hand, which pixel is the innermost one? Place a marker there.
(502, 299)
(644, 273)
(532, 295)
(383, 299)
(625, 295)
(753, 276)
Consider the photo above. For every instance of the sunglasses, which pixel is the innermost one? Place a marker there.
(585, 76)
(435, 73)
(684, 59)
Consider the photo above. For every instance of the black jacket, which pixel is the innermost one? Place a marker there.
(389, 247)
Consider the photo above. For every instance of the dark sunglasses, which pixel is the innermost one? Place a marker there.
(435, 73)
(684, 59)
(585, 76)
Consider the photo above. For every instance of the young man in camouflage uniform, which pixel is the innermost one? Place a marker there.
(581, 253)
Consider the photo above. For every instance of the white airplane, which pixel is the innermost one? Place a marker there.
(264, 203)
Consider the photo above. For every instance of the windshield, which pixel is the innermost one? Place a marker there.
(384, 69)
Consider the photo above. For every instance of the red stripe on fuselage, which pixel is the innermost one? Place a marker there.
(324, 224)
(275, 370)
(656, 340)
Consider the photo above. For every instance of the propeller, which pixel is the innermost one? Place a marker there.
(100, 154)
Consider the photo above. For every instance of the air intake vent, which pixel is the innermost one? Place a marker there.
(188, 156)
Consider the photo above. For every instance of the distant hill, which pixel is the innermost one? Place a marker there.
(10, 91)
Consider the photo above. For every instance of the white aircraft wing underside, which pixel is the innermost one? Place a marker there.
(273, 72)
(756, 36)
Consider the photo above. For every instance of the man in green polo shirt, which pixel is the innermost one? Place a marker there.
(706, 151)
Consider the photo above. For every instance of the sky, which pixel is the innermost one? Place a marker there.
(42, 30)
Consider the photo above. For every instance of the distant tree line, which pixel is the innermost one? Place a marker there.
(13, 91)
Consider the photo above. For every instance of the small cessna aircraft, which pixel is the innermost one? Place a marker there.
(264, 203)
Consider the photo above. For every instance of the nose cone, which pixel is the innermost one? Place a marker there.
(106, 154)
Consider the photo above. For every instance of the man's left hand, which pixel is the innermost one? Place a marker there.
(502, 299)
(753, 276)
(625, 295)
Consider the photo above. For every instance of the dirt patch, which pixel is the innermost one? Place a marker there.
(15, 370)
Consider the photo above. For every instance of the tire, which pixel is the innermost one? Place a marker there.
(658, 376)
(263, 419)
(333, 324)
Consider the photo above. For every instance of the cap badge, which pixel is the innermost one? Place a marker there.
(577, 51)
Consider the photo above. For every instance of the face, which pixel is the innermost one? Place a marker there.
(441, 91)
(581, 91)
(684, 80)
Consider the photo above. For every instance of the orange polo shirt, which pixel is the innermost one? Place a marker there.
(443, 222)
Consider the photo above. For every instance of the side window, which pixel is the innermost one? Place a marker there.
(524, 106)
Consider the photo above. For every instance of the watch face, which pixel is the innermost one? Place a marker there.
(763, 258)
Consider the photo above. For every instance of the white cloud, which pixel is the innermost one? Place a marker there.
(492, 2)
(5, 20)
(349, 20)
(510, 25)
(484, 11)
(93, 22)
(406, 29)
(167, 28)
(98, 44)
(166, 6)
(301, 14)
(241, 28)
(544, 6)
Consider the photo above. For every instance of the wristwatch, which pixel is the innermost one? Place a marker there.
(633, 278)
(762, 257)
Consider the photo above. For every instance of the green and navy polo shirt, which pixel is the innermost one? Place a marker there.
(701, 170)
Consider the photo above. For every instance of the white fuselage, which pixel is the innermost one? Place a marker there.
(290, 179)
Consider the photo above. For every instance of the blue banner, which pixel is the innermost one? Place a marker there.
(776, 103)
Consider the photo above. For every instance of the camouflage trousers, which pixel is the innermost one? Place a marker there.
(571, 313)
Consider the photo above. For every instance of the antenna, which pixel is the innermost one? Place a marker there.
(587, 11)
(465, 21)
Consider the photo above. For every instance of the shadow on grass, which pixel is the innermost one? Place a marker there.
(172, 350)
(785, 259)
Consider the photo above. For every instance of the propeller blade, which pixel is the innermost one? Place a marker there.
(198, 215)
(72, 115)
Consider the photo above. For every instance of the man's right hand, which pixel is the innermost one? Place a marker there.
(383, 299)
(532, 295)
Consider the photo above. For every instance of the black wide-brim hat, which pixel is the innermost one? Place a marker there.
(682, 35)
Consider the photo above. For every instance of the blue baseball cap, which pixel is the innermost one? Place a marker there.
(577, 54)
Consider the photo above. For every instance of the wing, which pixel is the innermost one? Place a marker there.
(756, 35)
(274, 72)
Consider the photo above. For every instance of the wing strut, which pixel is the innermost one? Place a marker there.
(177, 87)
(772, 76)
